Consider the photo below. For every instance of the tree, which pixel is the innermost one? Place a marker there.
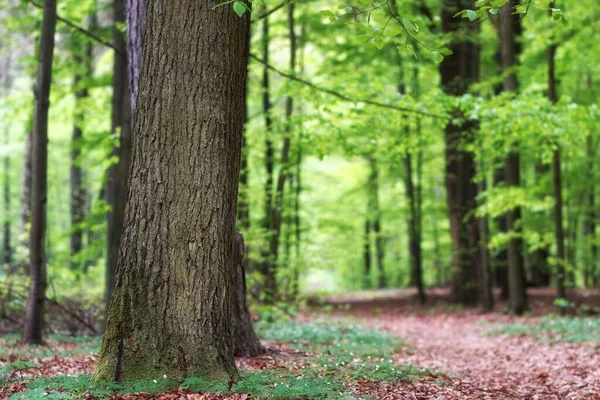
(116, 188)
(510, 31)
(458, 71)
(375, 218)
(34, 320)
(6, 256)
(245, 341)
(170, 314)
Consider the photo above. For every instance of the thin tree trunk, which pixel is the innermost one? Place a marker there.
(83, 60)
(245, 341)
(557, 187)
(284, 168)
(367, 251)
(116, 188)
(414, 246)
(7, 250)
(135, 12)
(510, 31)
(269, 264)
(375, 218)
(486, 293)
(589, 225)
(171, 308)
(34, 319)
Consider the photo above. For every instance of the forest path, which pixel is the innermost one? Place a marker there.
(483, 366)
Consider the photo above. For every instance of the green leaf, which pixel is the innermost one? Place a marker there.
(472, 15)
(329, 14)
(437, 56)
(445, 51)
(239, 8)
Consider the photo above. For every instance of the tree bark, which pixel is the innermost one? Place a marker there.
(589, 225)
(135, 12)
(245, 341)
(171, 308)
(414, 241)
(458, 71)
(116, 188)
(34, 319)
(510, 31)
(7, 250)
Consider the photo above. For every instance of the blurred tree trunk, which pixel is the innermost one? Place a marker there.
(501, 256)
(171, 308)
(510, 33)
(557, 186)
(83, 61)
(458, 71)
(121, 124)
(269, 265)
(589, 225)
(7, 250)
(486, 292)
(540, 269)
(375, 219)
(414, 234)
(367, 251)
(34, 319)
(245, 341)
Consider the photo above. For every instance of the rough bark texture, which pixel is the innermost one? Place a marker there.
(135, 13)
(6, 256)
(170, 313)
(458, 71)
(245, 341)
(34, 319)
(116, 188)
(510, 32)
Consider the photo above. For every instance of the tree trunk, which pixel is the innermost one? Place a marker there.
(510, 31)
(34, 319)
(83, 60)
(171, 308)
(375, 218)
(367, 252)
(557, 186)
(589, 225)
(245, 341)
(269, 265)
(116, 188)
(458, 71)
(486, 293)
(414, 245)
(7, 251)
(501, 256)
(135, 12)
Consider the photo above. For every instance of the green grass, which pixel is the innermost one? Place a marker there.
(555, 329)
(56, 345)
(331, 353)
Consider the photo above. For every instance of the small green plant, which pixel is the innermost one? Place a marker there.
(17, 366)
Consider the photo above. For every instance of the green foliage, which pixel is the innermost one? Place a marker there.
(56, 346)
(17, 366)
(556, 329)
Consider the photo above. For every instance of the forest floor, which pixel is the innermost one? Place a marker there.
(376, 345)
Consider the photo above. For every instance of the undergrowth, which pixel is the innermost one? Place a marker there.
(555, 329)
(329, 354)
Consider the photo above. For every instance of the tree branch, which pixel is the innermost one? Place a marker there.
(82, 30)
(342, 96)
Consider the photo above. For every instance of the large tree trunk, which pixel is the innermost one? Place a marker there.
(245, 341)
(170, 314)
(458, 71)
(116, 188)
(34, 319)
(135, 12)
(510, 32)
(6, 256)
